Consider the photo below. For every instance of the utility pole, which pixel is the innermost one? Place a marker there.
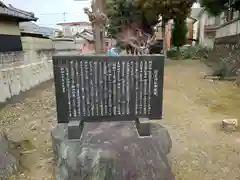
(64, 16)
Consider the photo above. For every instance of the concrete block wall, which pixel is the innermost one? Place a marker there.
(26, 70)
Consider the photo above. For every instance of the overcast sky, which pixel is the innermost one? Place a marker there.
(51, 12)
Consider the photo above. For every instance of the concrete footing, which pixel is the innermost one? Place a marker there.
(112, 151)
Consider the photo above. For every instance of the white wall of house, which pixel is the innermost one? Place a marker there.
(66, 30)
(79, 28)
(9, 27)
(71, 30)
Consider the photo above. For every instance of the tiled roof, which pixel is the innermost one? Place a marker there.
(87, 36)
(17, 13)
(89, 31)
(76, 23)
(32, 28)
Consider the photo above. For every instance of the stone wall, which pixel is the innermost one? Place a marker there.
(225, 56)
(20, 71)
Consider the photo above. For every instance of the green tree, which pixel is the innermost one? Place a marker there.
(179, 33)
(143, 14)
(122, 13)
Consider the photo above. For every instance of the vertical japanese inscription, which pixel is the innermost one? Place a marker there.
(149, 85)
(79, 107)
(69, 92)
(103, 88)
(128, 88)
(82, 90)
(109, 84)
(86, 88)
(145, 81)
(114, 86)
(123, 94)
(96, 88)
(141, 88)
(137, 88)
(101, 85)
(118, 89)
(62, 72)
(105, 93)
(73, 89)
(91, 88)
(155, 82)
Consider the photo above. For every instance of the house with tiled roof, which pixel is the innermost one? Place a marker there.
(10, 34)
(85, 41)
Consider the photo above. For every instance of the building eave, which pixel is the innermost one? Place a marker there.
(18, 14)
(31, 34)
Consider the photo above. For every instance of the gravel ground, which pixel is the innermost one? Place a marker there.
(193, 110)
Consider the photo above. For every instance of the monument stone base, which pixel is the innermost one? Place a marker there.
(112, 151)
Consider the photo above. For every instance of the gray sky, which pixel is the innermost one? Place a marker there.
(50, 12)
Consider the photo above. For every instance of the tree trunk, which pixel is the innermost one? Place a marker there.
(164, 39)
(178, 52)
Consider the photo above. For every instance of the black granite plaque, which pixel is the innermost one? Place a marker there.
(108, 88)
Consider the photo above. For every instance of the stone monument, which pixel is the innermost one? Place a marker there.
(105, 105)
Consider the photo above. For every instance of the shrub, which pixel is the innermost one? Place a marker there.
(189, 52)
(173, 53)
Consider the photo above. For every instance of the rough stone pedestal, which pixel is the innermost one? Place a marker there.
(112, 151)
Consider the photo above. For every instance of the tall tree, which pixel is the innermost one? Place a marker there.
(179, 33)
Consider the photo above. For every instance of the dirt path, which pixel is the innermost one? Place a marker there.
(193, 110)
(29, 120)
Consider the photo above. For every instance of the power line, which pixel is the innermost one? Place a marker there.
(62, 16)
